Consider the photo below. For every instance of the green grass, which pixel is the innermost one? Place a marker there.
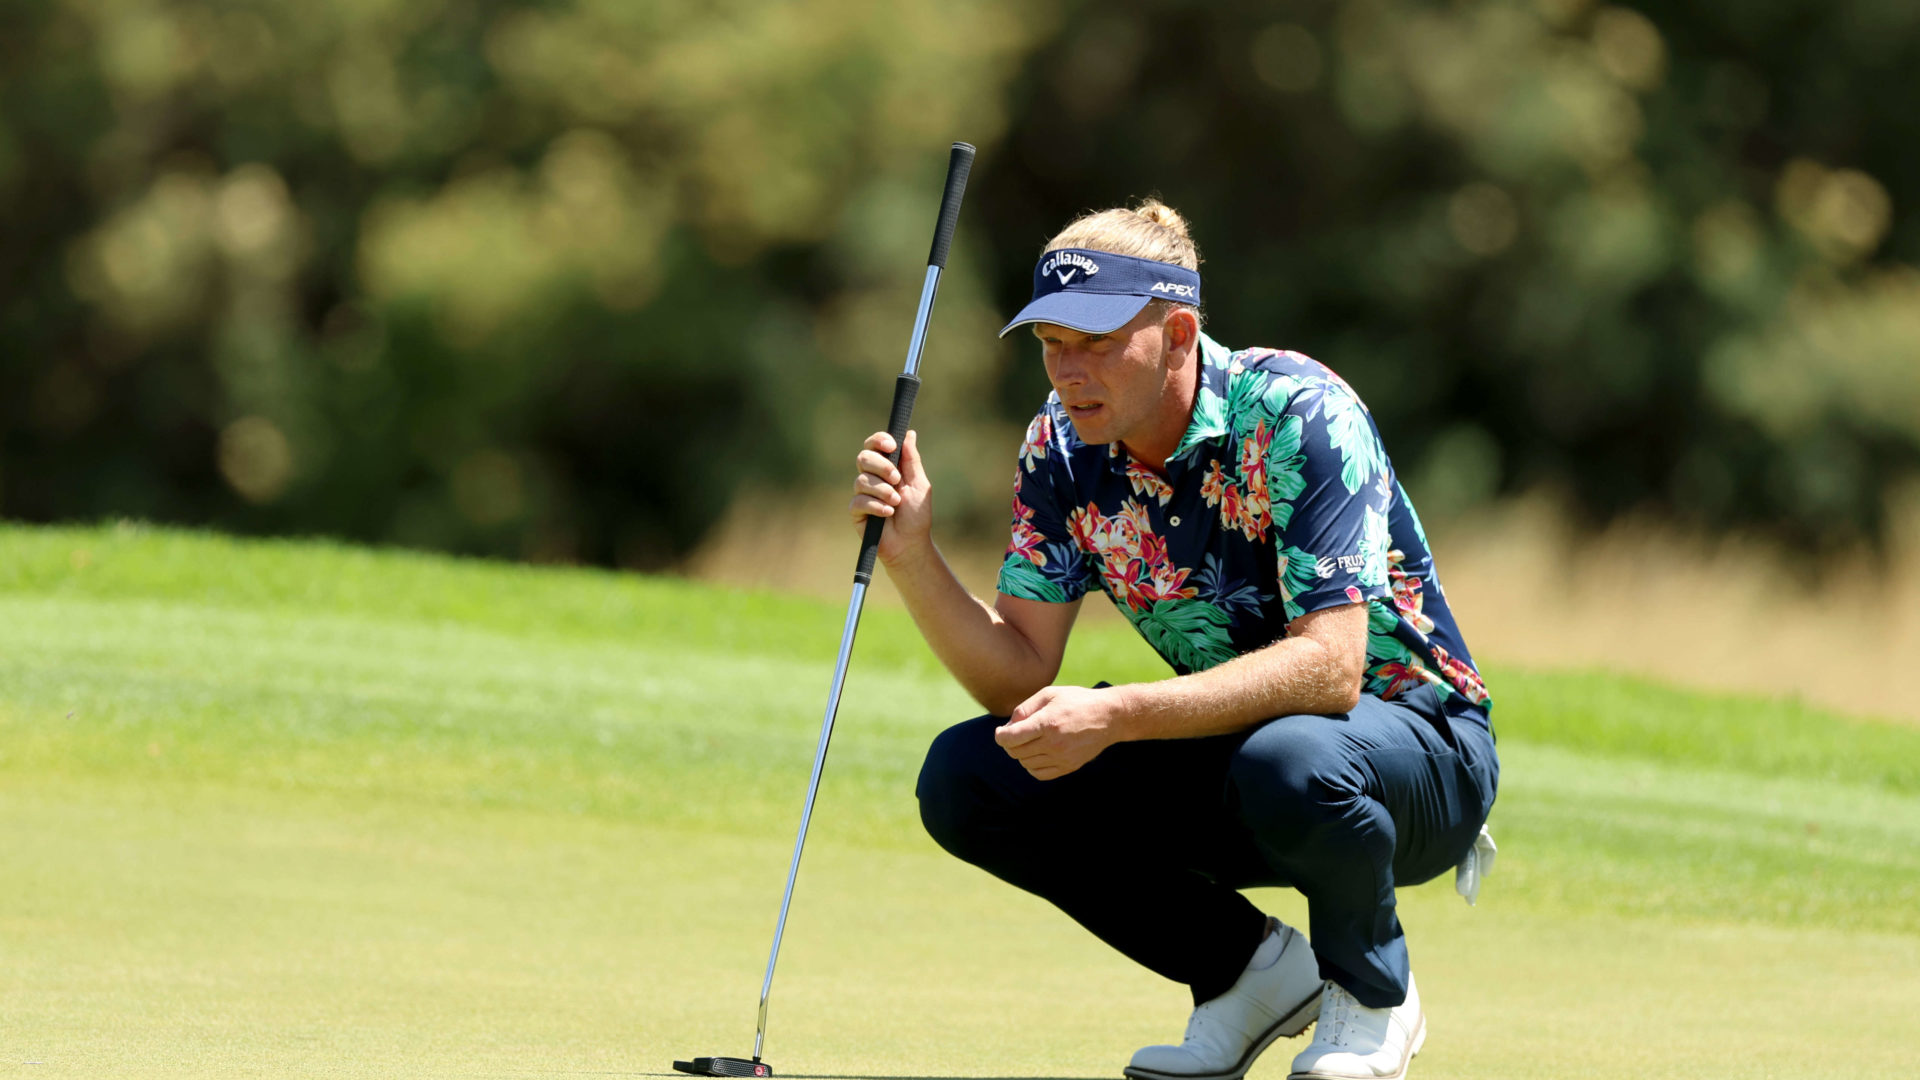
(279, 809)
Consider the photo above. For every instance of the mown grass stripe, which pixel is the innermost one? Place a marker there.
(657, 618)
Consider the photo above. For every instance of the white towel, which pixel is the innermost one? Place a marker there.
(1475, 867)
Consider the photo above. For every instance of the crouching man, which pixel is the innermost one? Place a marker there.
(1326, 730)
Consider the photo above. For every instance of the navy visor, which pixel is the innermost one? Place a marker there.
(1097, 291)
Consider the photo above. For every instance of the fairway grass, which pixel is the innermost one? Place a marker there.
(276, 809)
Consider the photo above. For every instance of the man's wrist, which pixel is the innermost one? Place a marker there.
(1131, 702)
(910, 560)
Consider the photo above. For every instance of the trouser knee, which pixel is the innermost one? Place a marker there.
(956, 801)
(1290, 780)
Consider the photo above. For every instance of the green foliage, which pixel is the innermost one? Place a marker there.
(562, 281)
(553, 281)
(1656, 256)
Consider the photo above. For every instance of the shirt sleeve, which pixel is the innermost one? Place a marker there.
(1042, 561)
(1330, 489)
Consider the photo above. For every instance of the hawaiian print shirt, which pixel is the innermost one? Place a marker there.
(1279, 501)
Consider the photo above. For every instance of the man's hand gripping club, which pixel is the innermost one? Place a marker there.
(1005, 653)
(1051, 732)
(900, 493)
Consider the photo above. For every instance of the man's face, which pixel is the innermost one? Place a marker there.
(1114, 385)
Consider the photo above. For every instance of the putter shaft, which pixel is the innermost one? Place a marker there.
(928, 288)
(813, 788)
(959, 164)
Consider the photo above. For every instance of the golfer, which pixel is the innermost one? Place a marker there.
(1326, 730)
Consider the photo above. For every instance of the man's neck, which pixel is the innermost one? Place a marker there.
(1182, 391)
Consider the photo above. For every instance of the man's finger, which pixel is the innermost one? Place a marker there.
(869, 484)
(1016, 734)
(866, 506)
(1026, 750)
(874, 463)
(1028, 754)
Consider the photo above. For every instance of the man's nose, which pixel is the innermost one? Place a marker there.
(1068, 369)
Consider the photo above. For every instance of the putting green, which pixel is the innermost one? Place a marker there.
(300, 810)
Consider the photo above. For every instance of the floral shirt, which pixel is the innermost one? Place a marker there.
(1279, 501)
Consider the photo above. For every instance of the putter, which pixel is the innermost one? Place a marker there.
(906, 387)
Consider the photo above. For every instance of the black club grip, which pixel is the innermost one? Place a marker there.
(959, 164)
(905, 389)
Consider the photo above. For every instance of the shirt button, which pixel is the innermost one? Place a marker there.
(1174, 520)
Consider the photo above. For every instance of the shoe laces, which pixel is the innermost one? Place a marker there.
(1208, 1027)
(1195, 1023)
(1336, 1014)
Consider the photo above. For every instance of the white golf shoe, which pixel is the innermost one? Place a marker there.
(1277, 996)
(1354, 1042)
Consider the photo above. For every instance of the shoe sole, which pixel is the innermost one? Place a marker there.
(1286, 1027)
(1419, 1040)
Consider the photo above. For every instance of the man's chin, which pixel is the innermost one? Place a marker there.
(1092, 432)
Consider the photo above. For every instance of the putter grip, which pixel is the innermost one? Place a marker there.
(905, 389)
(959, 164)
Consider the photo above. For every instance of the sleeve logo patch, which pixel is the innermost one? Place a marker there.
(1327, 565)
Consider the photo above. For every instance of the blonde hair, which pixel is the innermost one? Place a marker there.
(1152, 230)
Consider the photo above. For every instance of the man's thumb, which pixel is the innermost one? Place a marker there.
(1033, 704)
(910, 471)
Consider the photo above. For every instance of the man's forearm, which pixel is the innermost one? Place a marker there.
(1292, 675)
(990, 657)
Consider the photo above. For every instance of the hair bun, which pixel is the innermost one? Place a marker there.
(1164, 216)
(1152, 230)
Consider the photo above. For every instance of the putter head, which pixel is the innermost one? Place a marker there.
(723, 1066)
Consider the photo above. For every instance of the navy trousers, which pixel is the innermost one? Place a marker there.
(1147, 845)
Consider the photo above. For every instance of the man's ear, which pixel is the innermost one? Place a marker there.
(1183, 329)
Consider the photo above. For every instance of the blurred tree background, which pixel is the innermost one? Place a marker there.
(561, 280)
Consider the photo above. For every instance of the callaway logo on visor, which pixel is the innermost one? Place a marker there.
(1098, 291)
(1074, 263)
